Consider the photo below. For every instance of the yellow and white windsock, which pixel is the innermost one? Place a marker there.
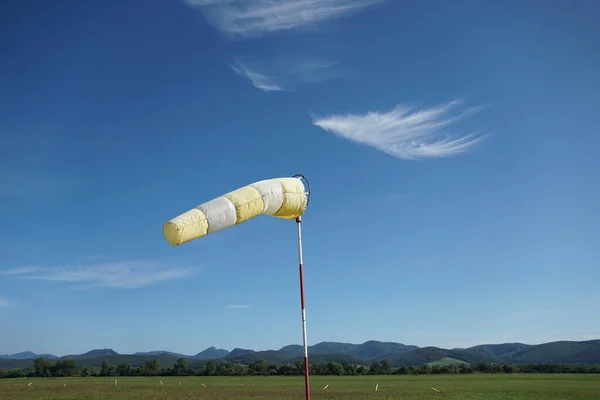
(280, 197)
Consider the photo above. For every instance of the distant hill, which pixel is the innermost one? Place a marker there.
(293, 350)
(427, 355)
(498, 351)
(381, 350)
(15, 363)
(332, 348)
(160, 353)
(238, 352)
(249, 356)
(212, 353)
(371, 350)
(587, 352)
(96, 353)
(397, 354)
(27, 355)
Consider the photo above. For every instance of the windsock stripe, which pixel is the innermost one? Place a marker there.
(248, 203)
(220, 214)
(272, 195)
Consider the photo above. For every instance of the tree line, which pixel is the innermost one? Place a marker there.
(62, 368)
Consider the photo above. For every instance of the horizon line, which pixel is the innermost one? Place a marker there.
(141, 353)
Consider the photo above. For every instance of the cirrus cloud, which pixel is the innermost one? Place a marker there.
(285, 73)
(258, 80)
(404, 132)
(255, 17)
(239, 306)
(123, 274)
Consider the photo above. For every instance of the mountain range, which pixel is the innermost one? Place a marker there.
(398, 354)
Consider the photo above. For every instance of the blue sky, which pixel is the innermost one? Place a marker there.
(451, 148)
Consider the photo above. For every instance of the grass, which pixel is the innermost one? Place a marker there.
(466, 387)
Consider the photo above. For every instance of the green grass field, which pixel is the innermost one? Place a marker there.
(473, 387)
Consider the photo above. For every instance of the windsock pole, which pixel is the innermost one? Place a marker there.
(301, 270)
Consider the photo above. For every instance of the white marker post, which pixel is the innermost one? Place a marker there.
(302, 305)
(301, 271)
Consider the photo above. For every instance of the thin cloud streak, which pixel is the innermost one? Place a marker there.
(124, 274)
(260, 81)
(285, 73)
(19, 271)
(239, 306)
(404, 132)
(255, 17)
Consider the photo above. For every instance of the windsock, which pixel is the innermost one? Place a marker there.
(279, 197)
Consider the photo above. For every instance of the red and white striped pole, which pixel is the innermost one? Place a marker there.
(306, 383)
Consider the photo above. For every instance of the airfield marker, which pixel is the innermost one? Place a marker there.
(304, 340)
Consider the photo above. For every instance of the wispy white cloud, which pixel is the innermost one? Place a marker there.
(124, 274)
(248, 18)
(285, 73)
(19, 271)
(404, 132)
(239, 306)
(260, 81)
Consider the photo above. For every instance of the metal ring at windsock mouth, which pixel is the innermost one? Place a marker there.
(302, 177)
